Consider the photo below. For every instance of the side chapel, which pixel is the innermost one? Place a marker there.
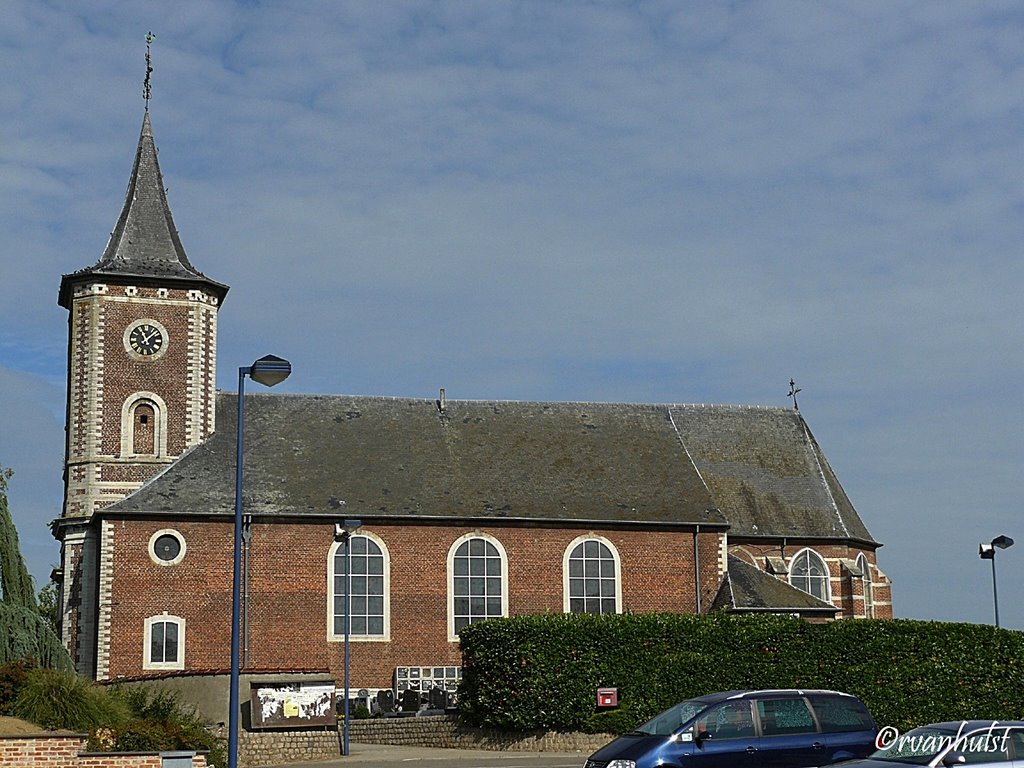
(467, 510)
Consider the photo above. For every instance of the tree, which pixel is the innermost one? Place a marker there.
(24, 632)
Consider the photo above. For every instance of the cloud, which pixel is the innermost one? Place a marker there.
(572, 201)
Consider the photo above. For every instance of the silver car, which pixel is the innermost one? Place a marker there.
(977, 743)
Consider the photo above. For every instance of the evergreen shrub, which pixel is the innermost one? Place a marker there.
(542, 672)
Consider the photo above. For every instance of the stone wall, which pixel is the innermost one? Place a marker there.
(257, 748)
(444, 731)
(287, 746)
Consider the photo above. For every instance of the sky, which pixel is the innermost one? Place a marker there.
(656, 202)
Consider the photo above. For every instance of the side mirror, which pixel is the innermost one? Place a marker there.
(700, 737)
(954, 758)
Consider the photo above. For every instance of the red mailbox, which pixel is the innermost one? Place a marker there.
(607, 697)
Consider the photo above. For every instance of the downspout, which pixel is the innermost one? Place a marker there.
(696, 565)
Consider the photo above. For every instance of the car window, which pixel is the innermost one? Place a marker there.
(729, 721)
(988, 746)
(781, 716)
(672, 718)
(1017, 740)
(838, 714)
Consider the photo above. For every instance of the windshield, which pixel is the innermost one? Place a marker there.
(918, 746)
(671, 719)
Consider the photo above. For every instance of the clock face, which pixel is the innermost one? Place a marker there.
(146, 339)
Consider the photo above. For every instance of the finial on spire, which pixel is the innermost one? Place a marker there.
(793, 389)
(147, 89)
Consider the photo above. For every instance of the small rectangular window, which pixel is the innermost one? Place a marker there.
(165, 638)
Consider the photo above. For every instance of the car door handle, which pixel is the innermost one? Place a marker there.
(817, 745)
(751, 750)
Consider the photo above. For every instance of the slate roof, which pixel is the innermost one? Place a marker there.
(145, 242)
(393, 457)
(767, 473)
(405, 458)
(747, 588)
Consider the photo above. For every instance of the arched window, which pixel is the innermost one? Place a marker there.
(809, 573)
(592, 577)
(865, 574)
(144, 425)
(370, 582)
(164, 643)
(477, 574)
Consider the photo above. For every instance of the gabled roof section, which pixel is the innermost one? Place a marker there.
(144, 243)
(374, 457)
(767, 473)
(746, 588)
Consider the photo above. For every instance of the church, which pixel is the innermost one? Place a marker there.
(457, 511)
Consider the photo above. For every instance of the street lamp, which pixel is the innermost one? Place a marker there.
(343, 533)
(988, 552)
(268, 371)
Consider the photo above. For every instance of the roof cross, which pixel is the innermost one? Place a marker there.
(793, 389)
(147, 89)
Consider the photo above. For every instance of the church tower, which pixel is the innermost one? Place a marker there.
(141, 389)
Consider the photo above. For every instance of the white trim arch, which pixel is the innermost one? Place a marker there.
(603, 578)
(158, 556)
(809, 573)
(163, 662)
(385, 556)
(487, 592)
(867, 585)
(128, 410)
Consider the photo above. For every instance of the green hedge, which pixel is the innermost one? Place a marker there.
(542, 672)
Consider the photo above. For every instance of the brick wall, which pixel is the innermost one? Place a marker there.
(104, 375)
(68, 751)
(288, 608)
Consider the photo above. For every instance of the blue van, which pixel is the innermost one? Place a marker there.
(747, 729)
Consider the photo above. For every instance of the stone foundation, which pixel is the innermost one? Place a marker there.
(257, 748)
(444, 731)
(287, 746)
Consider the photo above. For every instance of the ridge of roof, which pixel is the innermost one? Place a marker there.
(474, 401)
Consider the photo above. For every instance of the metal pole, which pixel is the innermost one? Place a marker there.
(995, 595)
(236, 577)
(348, 629)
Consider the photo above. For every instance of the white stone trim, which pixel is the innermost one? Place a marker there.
(152, 547)
(147, 661)
(126, 340)
(825, 564)
(450, 567)
(128, 424)
(200, 393)
(615, 558)
(386, 637)
(106, 580)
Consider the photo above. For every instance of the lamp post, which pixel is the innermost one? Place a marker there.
(988, 552)
(268, 371)
(343, 533)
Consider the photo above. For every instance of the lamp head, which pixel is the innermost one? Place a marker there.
(270, 370)
(986, 551)
(1003, 542)
(342, 531)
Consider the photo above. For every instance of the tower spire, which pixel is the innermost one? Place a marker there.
(147, 89)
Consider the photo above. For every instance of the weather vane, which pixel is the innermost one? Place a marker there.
(793, 389)
(147, 89)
